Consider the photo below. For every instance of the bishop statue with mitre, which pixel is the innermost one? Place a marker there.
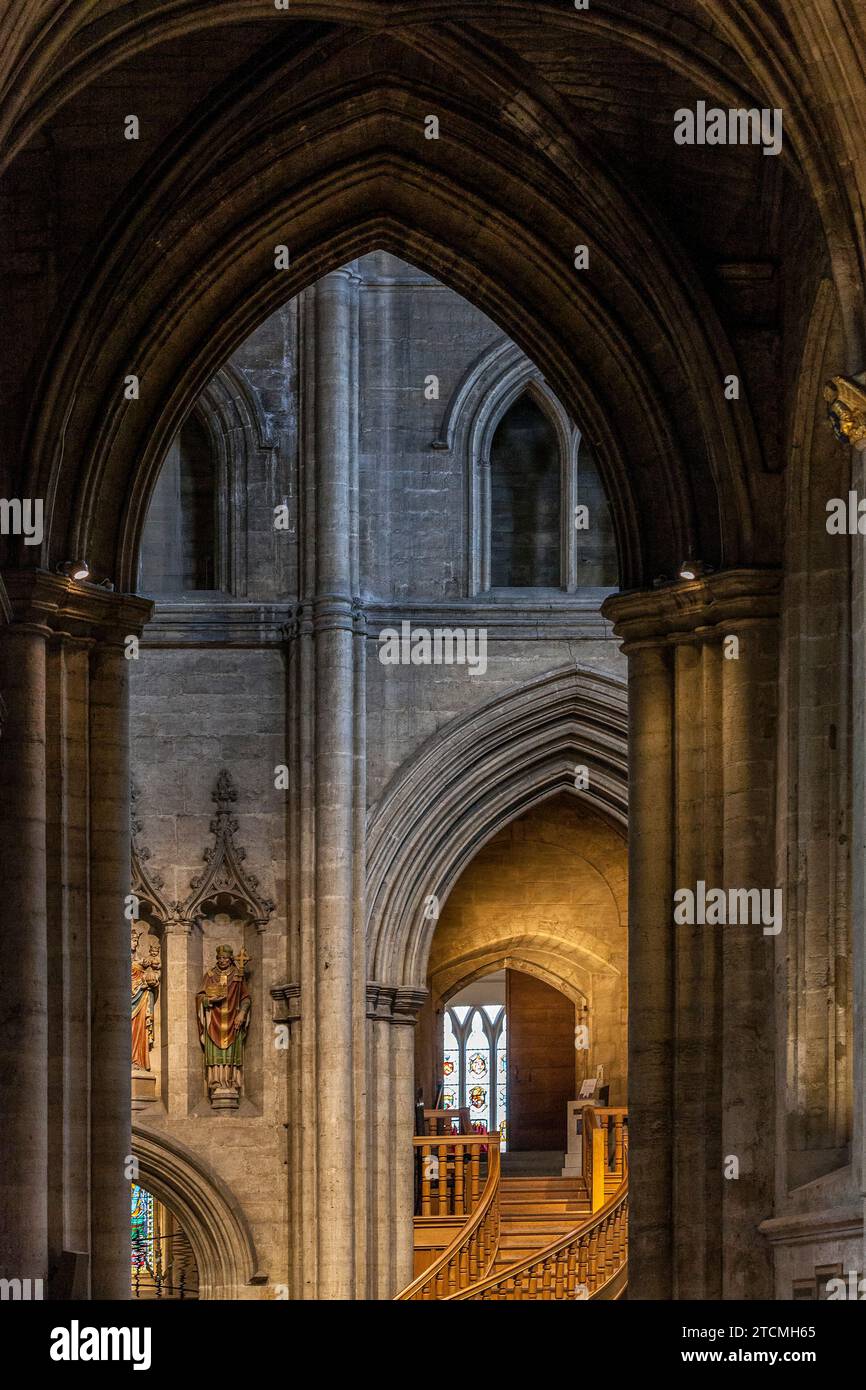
(223, 1009)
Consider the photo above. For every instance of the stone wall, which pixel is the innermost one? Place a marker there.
(195, 712)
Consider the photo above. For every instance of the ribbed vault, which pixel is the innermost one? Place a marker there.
(305, 153)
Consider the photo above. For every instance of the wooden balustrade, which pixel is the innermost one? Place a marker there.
(449, 1178)
(470, 1254)
(592, 1260)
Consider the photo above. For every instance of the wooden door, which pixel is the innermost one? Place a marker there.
(541, 1067)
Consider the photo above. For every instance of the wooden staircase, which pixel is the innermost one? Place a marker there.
(528, 1235)
(534, 1212)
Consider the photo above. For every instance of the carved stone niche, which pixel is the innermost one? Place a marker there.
(150, 914)
(225, 907)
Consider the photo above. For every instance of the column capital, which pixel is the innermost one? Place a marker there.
(63, 606)
(398, 1004)
(696, 609)
(846, 408)
(286, 1003)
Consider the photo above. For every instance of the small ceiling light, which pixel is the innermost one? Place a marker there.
(690, 569)
(75, 569)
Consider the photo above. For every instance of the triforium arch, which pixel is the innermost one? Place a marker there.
(242, 447)
(339, 165)
(472, 415)
(224, 1252)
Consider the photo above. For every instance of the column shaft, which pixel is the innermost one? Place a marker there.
(110, 1060)
(748, 1040)
(403, 1128)
(335, 786)
(24, 978)
(651, 972)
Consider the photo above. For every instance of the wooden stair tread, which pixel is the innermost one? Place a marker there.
(542, 1186)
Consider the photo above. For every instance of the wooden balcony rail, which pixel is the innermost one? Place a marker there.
(449, 1172)
(470, 1255)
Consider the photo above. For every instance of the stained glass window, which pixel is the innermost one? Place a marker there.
(502, 1081)
(475, 1065)
(451, 1068)
(142, 1228)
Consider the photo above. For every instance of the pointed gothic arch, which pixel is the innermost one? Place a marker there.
(481, 772)
(313, 157)
(222, 1243)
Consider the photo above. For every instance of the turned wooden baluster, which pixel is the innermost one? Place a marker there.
(583, 1262)
(426, 1152)
(592, 1263)
(459, 1191)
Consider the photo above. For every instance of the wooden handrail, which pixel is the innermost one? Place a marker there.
(592, 1257)
(467, 1260)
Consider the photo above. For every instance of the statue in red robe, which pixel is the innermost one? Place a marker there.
(145, 983)
(223, 1010)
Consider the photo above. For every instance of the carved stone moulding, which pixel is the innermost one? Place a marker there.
(224, 885)
(147, 884)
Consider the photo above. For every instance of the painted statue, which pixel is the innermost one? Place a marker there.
(223, 1012)
(145, 984)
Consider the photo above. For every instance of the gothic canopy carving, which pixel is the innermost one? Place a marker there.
(146, 883)
(224, 875)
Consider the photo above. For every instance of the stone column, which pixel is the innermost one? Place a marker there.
(701, 1044)
(846, 399)
(748, 1034)
(64, 988)
(651, 971)
(381, 1149)
(67, 735)
(407, 1002)
(327, 749)
(110, 1039)
(24, 1022)
(333, 626)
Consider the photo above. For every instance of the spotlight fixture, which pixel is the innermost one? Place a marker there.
(691, 569)
(74, 569)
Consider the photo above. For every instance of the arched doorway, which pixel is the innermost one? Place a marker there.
(534, 932)
(162, 1260)
(204, 1232)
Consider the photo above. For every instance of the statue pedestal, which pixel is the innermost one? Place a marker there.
(225, 1098)
(143, 1088)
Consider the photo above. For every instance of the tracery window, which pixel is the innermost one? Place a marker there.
(180, 539)
(475, 1066)
(525, 502)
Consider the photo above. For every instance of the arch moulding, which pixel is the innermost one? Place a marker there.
(217, 1229)
(485, 769)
